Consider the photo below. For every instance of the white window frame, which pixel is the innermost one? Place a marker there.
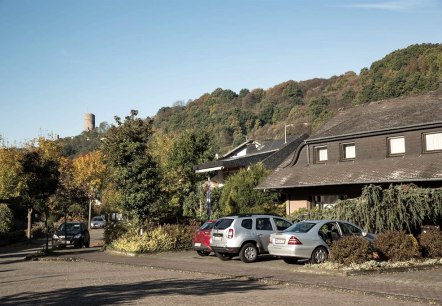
(321, 154)
(396, 146)
(344, 155)
(432, 142)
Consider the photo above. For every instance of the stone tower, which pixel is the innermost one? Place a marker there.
(89, 122)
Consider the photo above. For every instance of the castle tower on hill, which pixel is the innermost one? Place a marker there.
(89, 122)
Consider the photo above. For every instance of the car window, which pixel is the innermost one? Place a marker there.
(263, 224)
(349, 229)
(247, 223)
(281, 224)
(222, 224)
(97, 219)
(300, 227)
(207, 226)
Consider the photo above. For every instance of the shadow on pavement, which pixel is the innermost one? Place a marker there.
(127, 293)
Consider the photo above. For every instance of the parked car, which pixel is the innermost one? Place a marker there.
(312, 239)
(72, 233)
(98, 222)
(245, 236)
(201, 240)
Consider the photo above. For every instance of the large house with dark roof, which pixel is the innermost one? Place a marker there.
(386, 142)
(270, 152)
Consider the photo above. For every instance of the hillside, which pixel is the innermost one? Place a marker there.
(306, 105)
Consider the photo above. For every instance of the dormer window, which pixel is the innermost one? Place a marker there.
(432, 142)
(348, 151)
(320, 154)
(396, 146)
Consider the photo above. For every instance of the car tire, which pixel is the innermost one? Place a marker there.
(290, 260)
(248, 253)
(223, 256)
(88, 243)
(319, 255)
(203, 253)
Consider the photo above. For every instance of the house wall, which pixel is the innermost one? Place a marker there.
(372, 147)
(367, 148)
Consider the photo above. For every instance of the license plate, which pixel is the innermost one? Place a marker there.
(215, 238)
(279, 241)
(197, 244)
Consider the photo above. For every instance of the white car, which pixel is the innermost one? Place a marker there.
(98, 222)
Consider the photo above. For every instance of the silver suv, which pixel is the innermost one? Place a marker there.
(245, 235)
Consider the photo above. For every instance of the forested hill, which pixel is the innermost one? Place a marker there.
(261, 114)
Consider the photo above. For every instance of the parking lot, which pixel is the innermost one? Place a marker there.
(81, 275)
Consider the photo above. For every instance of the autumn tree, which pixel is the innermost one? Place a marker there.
(89, 173)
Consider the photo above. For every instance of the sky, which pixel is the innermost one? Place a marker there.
(60, 59)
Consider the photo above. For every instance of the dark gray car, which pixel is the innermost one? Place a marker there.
(72, 233)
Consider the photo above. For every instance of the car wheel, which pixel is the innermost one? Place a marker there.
(203, 253)
(223, 256)
(248, 253)
(290, 260)
(319, 255)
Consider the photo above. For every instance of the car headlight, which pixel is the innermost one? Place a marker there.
(77, 236)
(55, 236)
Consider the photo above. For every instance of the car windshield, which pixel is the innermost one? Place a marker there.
(222, 224)
(300, 227)
(207, 225)
(70, 227)
(97, 219)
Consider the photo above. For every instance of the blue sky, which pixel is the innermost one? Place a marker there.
(60, 59)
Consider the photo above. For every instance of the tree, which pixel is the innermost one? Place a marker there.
(11, 182)
(89, 173)
(41, 174)
(133, 169)
(6, 218)
(239, 196)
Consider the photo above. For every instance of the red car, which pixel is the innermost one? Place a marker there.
(201, 240)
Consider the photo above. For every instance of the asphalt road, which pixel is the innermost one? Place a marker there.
(170, 279)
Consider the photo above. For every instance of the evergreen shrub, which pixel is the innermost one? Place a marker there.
(351, 249)
(431, 243)
(396, 246)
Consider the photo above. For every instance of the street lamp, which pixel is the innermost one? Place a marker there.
(285, 132)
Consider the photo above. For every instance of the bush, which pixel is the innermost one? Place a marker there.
(351, 249)
(397, 246)
(6, 218)
(431, 243)
(116, 230)
(162, 238)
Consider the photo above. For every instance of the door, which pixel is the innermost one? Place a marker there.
(263, 229)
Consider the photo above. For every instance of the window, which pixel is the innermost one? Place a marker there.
(263, 224)
(348, 151)
(320, 154)
(432, 142)
(281, 224)
(396, 146)
(247, 223)
(348, 229)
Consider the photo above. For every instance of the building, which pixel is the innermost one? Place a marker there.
(271, 153)
(386, 142)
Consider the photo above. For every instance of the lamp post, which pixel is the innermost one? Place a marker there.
(285, 132)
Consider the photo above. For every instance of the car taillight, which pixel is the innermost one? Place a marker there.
(293, 240)
(230, 234)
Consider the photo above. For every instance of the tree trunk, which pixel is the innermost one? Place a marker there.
(28, 232)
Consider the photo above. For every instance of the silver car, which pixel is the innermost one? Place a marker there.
(245, 236)
(312, 239)
(98, 222)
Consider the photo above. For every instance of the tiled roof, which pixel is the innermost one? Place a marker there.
(396, 169)
(269, 153)
(386, 114)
